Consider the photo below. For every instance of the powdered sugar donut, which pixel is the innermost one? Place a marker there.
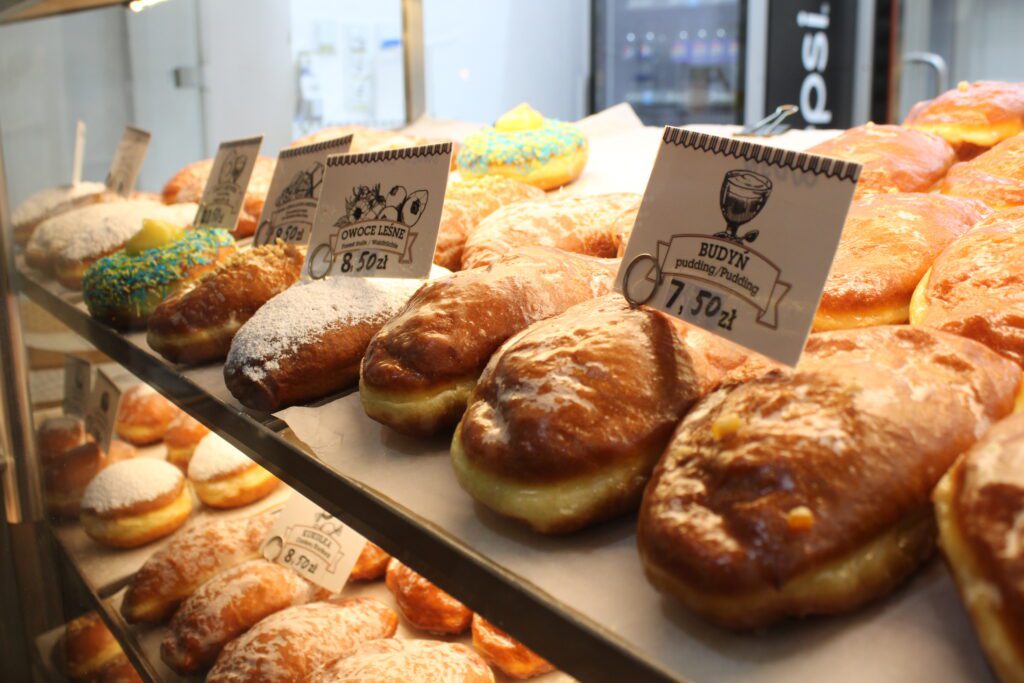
(225, 477)
(402, 661)
(66, 477)
(144, 415)
(134, 502)
(423, 604)
(48, 203)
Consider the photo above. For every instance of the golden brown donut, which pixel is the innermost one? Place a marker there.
(294, 643)
(371, 564)
(307, 342)
(622, 226)
(227, 606)
(192, 557)
(183, 433)
(893, 158)
(423, 604)
(973, 115)
(807, 491)
(420, 369)
(974, 288)
(187, 185)
(85, 648)
(407, 661)
(571, 415)
(466, 203)
(197, 324)
(888, 243)
(225, 477)
(135, 502)
(979, 506)
(505, 653)
(51, 202)
(58, 435)
(119, 671)
(65, 479)
(582, 225)
(144, 415)
(996, 177)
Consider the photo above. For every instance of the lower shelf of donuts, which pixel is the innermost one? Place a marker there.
(591, 581)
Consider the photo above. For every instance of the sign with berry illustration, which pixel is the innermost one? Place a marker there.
(225, 188)
(738, 238)
(380, 213)
(294, 192)
(127, 162)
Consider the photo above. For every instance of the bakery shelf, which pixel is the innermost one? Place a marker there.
(576, 644)
(22, 10)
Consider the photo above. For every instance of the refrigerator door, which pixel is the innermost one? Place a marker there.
(674, 61)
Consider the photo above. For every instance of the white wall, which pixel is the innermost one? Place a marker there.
(483, 58)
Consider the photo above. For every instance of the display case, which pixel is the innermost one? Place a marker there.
(581, 600)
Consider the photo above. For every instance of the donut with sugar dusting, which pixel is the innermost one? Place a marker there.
(144, 415)
(225, 477)
(402, 661)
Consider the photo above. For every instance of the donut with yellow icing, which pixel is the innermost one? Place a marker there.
(525, 146)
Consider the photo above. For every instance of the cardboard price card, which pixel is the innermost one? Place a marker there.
(313, 543)
(77, 385)
(78, 158)
(224, 192)
(738, 238)
(380, 213)
(124, 169)
(295, 191)
(101, 412)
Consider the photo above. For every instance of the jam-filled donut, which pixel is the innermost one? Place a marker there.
(505, 653)
(406, 661)
(423, 604)
(144, 415)
(225, 477)
(181, 438)
(66, 477)
(526, 146)
(134, 502)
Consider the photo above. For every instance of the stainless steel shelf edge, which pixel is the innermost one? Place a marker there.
(577, 646)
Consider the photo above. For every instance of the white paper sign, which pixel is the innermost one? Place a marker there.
(380, 213)
(79, 155)
(77, 385)
(738, 238)
(313, 543)
(101, 413)
(295, 190)
(124, 169)
(224, 192)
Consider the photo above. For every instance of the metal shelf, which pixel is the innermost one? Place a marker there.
(22, 10)
(576, 644)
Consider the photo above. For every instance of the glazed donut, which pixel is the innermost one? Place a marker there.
(48, 203)
(85, 648)
(571, 415)
(420, 369)
(526, 146)
(197, 324)
(144, 415)
(307, 342)
(973, 289)
(181, 438)
(58, 435)
(105, 229)
(193, 556)
(423, 604)
(227, 606)
(979, 507)
(622, 228)
(505, 653)
(892, 158)
(996, 177)
(807, 491)
(888, 243)
(582, 225)
(371, 564)
(973, 116)
(225, 477)
(134, 502)
(404, 661)
(466, 203)
(187, 185)
(66, 478)
(294, 643)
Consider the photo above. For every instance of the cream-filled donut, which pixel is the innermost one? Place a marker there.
(225, 477)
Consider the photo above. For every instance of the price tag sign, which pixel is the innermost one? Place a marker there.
(295, 190)
(738, 238)
(124, 169)
(101, 411)
(77, 385)
(224, 193)
(313, 543)
(78, 160)
(380, 213)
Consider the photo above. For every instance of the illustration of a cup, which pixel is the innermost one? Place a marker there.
(743, 195)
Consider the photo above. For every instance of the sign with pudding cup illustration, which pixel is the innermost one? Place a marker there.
(738, 238)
